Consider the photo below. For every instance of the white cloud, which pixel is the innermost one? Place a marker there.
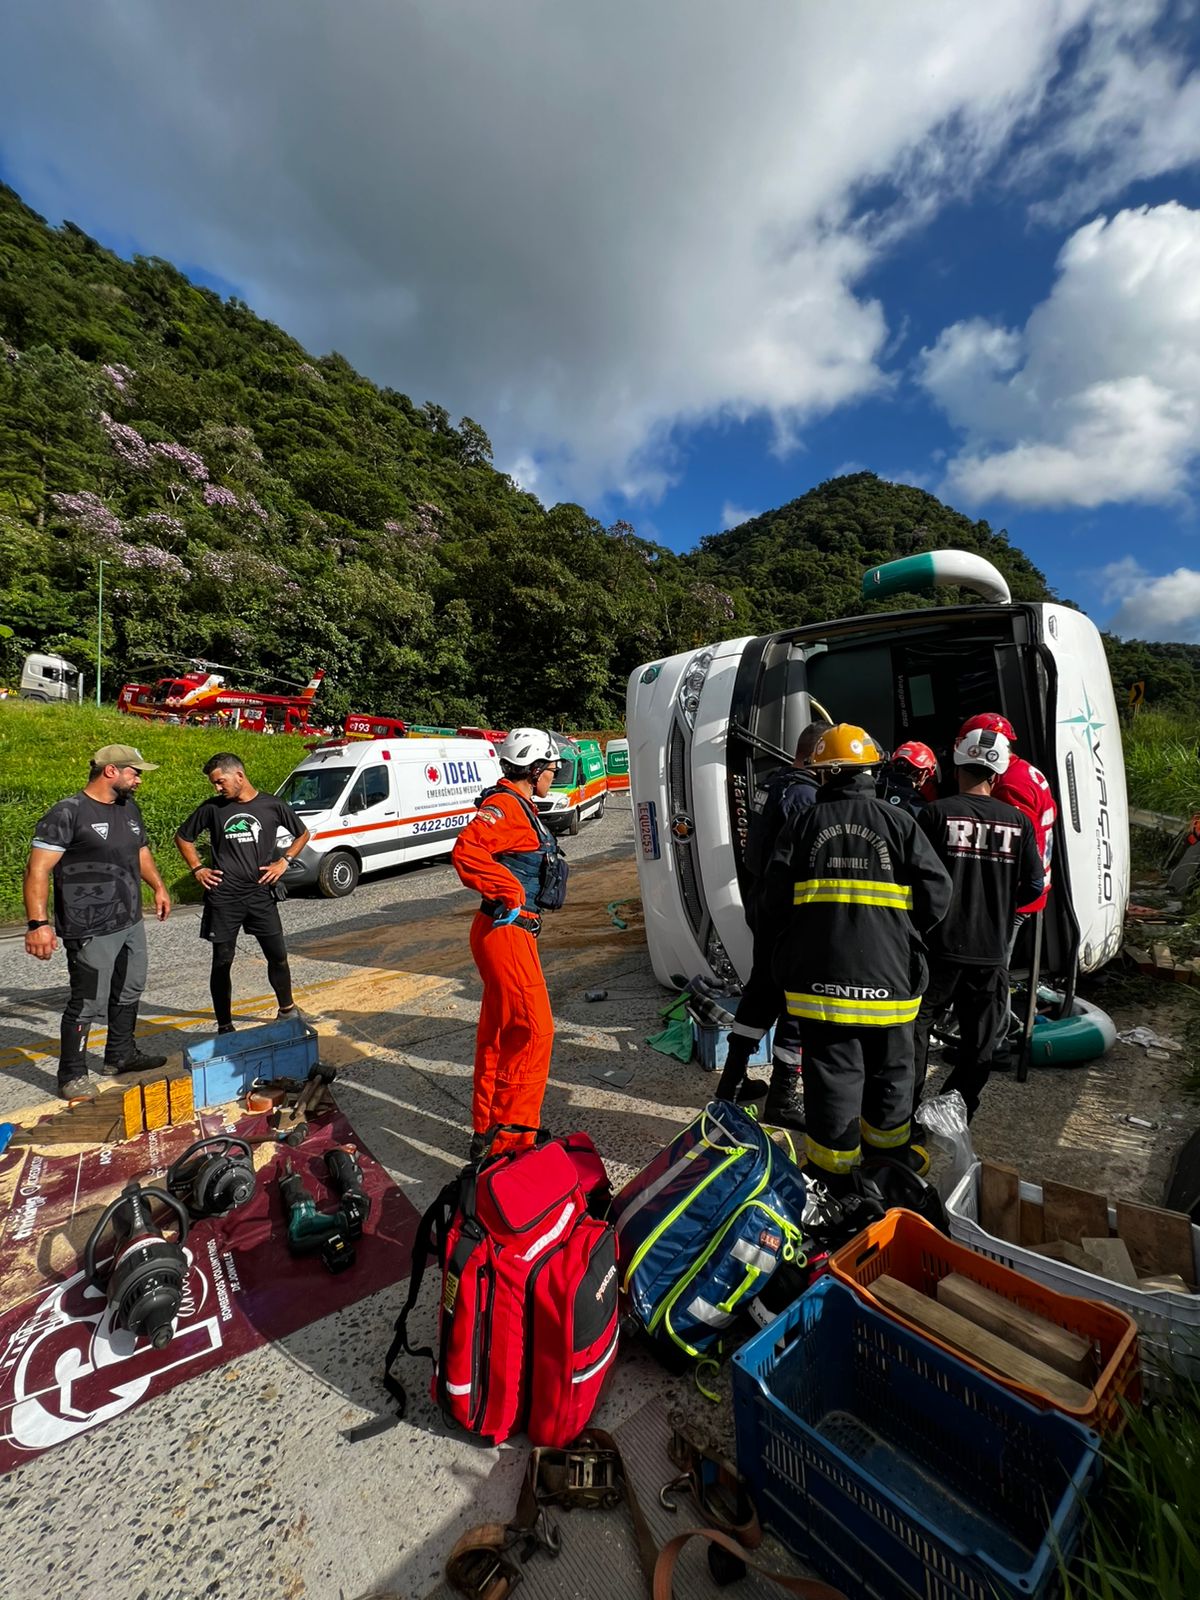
(1166, 607)
(1097, 398)
(584, 226)
(733, 516)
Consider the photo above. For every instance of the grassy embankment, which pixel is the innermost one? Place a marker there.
(44, 752)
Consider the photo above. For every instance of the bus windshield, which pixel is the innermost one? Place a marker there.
(314, 788)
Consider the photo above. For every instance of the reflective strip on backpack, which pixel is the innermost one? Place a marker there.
(712, 1316)
(754, 1255)
(885, 1138)
(565, 1218)
(852, 1013)
(831, 1160)
(598, 1366)
(853, 891)
(458, 1388)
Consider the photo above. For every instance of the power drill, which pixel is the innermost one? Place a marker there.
(329, 1234)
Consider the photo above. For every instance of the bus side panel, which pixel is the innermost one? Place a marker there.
(1089, 783)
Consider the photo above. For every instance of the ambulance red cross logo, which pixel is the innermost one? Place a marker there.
(432, 773)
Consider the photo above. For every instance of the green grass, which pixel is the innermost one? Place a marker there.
(1143, 1536)
(44, 753)
(1161, 766)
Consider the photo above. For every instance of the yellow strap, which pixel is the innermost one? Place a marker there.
(885, 1138)
(853, 891)
(852, 1013)
(831, 1160)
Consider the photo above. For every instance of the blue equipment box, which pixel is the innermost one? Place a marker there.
(712, 1047)
(225, 1066)
(896, 1469)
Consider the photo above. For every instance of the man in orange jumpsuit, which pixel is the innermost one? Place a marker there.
(508, 856)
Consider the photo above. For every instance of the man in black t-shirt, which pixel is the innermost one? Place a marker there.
(991, 853)
(93, 846)
(246, 833)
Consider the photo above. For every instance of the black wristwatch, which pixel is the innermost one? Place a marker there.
(44, 923)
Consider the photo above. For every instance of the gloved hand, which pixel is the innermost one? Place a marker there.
(503, 918)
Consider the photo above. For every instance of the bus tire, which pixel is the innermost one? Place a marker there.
(573, 825)
(338, 875)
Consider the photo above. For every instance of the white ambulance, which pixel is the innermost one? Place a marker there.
(706, 727)
(375, 803)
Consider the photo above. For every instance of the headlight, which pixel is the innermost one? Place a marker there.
(718, 960)
(691, 685)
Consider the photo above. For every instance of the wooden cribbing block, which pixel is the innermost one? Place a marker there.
(1113, 1257)
(156, 1105)
(181, 1100)
(1070, 1213)
(1174, 1283)
(131, 1107)
(982, 1346)
(1160, 1242)
(1074, 1255)
(1059, 1348)
(1000, 1201)
(1032, 1223)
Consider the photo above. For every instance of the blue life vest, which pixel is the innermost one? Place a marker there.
(542, 873)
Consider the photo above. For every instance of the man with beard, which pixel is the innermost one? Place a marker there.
(253, 839)
(93, 845)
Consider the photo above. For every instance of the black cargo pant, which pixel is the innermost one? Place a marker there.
(857, 1090)
(979, 998)
(107, 974)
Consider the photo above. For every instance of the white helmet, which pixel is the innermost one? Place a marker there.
(527, 747)
(983, 747)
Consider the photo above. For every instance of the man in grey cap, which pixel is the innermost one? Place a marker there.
(93, 845)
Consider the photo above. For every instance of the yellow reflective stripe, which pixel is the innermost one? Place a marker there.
(831, 1160)
(869, 1013)
(885, 1138)
(853, 891)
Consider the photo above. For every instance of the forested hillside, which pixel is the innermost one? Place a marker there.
(257, 505)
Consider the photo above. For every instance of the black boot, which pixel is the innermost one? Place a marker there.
(72, 1059)
(784, 1106)
(737, 1059)
(121, 1053)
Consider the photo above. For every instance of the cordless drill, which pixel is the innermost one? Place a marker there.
(329, 1234)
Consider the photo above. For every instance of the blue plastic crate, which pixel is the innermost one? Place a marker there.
(712, 1047)
(225, 1066)
(897, 1470)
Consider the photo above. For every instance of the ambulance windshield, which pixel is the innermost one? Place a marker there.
(315, 788)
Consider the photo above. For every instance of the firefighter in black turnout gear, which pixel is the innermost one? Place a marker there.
(785, 794)
(991, 853)
(853, 890)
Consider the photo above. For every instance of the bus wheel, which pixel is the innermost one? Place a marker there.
(573, 825)
(339, 874)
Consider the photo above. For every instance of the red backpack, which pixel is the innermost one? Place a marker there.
(527, 1325)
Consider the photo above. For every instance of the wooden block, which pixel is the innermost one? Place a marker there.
(1074, 1255)
(1160, 1242)
(1000, 1201)
(1070, 1213)
(180, 1100)
(1174, 1284)
(992, 1352)
(1163, 959)
(1113, 1257)
(1032, 1223)
(132, 1111)
(1059, 1348)
(155, 1105)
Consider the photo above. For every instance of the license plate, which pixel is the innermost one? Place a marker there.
(648, 829)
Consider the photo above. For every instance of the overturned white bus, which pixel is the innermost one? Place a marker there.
(707, 726)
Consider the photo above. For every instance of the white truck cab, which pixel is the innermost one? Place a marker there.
(50, 677)
(707, 726)
(370, 804)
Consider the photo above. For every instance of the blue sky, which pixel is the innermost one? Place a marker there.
(684, 262)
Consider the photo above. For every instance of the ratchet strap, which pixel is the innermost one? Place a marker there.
(664, 1572)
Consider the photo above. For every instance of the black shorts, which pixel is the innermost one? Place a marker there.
(224, 918)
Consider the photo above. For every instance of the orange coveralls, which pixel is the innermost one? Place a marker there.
(516, 1026)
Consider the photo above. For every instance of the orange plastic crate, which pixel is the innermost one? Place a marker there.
(907, 1247)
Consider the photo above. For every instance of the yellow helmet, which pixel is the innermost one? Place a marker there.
(846, 745)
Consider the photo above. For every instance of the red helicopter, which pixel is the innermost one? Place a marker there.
(200, 696)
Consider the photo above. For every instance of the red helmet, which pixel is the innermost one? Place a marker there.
(917, 755)
(987, 722)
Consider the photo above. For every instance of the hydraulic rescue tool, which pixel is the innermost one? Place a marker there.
(329, 1234)
(213, 1176)
(145, 1278)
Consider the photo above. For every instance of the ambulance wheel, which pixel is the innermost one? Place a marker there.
(573, 825)
(600, 808)
(339, 875)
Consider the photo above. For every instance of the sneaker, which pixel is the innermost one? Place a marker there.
(77, 1088)
(137, 1062)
